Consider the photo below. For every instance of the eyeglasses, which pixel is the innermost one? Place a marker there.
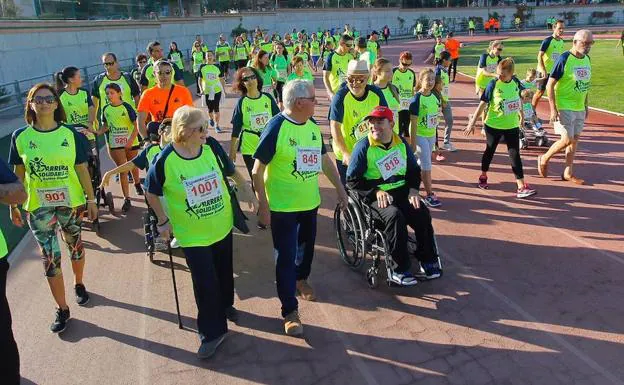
(164, 73)
(312, 98)
(585, 43)
(108, 63)
(201, 129)
(353, 80)
(249, 78)
(499, 49)
(50, 99)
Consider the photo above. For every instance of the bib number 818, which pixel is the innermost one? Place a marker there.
(391, 163)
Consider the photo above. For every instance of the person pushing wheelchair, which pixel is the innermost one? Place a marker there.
(384, 171)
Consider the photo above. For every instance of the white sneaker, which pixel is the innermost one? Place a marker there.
(403, 279)
(174, 243)
(449, 147)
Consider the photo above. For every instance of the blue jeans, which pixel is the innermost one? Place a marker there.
(213, 284)
(294, 235)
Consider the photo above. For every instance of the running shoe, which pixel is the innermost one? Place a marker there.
(305, 291)
(525, 192)
(211, 122)
(432, 201)
(126, 205)
(207, 349)
(139, 189)
(432, 270)
(292, 324)
(174, 243)
(449, 147)
(82, 297)
(440, 157)
(60, 321)
(483, 184)
(218, 130)
(403, 279)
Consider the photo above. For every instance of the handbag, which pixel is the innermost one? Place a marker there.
(240, 219)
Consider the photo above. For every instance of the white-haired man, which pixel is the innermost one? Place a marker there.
(289, 159)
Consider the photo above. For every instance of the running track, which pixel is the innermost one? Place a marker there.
(532, 291)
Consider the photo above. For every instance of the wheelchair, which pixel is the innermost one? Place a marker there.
(359, 234)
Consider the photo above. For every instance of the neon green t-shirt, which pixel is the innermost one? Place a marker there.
(198, 60)
(223, 52)
(488, 63)
(427, 109)
(307, 75)
(3, 246)
(210, 76)
(394, 104)
(176, 57)
(405, 82)
(77, 108)
(504, 104)
(315, 48)
(280, 65)
(375, 156)
(552, 53)
(49, 158)
(121, 122)
(241, 52)
(573, 77)
(337, 65)
(249, 119)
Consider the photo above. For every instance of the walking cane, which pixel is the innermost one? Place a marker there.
(175, 287)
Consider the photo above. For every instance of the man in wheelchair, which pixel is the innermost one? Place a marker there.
(384, 172)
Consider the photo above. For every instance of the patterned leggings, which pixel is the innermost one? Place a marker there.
(43, 223)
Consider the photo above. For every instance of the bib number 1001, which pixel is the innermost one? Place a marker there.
(202, 188)
(206, 187)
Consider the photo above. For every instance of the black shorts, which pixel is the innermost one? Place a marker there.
(213, 105)
(542, 85)
(225, 65)
(471, 29)
(278, 92)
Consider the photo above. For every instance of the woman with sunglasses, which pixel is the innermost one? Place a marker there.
(50, 158)
(251, 115)
(199, 56)
(241, 52)
(486, 69)
(141, 61)
(190, 175)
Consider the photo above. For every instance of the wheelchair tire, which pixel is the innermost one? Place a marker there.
(542, 141)
(110, 202)
(354, 238)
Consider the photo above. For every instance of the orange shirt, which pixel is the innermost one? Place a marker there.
(153, 101)
(452, 46)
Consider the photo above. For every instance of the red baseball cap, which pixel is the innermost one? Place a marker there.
(381, 112)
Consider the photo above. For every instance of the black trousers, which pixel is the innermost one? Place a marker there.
(396, 218)
(212, 272)
(512, 140)
(453, 68)
(9, 363)
(197, 82)
(404, 123)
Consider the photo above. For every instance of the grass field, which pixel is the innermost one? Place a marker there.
(607, 91)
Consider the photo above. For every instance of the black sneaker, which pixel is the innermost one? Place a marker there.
(139, 189)
(126, 205)
(82, 297)
(60, 322)
(231, 314)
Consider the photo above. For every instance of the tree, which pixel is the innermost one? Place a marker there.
(8, 9)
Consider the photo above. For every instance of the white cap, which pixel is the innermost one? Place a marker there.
(357, 67)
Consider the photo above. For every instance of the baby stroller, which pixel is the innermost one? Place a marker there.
(533, 133)
(102, 198)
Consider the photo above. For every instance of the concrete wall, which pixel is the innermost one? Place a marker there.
(38, 48)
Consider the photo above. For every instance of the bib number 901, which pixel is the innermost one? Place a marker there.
(52, 197)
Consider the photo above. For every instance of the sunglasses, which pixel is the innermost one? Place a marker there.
(249, 78)
(499, 49)
(50, 99)
(164, 73)
(356, 80)
(109, 63)
(349, 45)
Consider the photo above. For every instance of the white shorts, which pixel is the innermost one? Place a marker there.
(424, 147)
(570, 123)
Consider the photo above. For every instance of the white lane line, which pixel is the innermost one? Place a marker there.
(538, 325)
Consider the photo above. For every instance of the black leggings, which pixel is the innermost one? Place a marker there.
(213, 105)
(453, 66)
(512, 140)
(279, 86)
(404, 123)
(197, 82)
(249, 163)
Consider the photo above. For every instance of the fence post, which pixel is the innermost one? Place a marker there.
(86, 75)
(18, 92)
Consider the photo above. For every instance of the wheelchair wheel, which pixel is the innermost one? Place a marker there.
(110, 202)
(542, 141)
(350, 236)
(524, 143)
(149, 237)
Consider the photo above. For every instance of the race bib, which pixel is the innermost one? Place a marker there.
(211, 77)
(259, 121)
(511, 106)
(491, 68)
(405, 103)
(308, 159)
(582, 73)
(390, 164)
(432, 121)
(361, 130)
(554, 56)
(267, 89)
(119, 139)
(53, 197)
(445, 91)
(202, 188)
(282, 74)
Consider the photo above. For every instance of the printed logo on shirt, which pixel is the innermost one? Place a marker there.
(32, 145)
(44, 172)
(65, 143)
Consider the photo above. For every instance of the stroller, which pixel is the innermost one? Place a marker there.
(533, 133)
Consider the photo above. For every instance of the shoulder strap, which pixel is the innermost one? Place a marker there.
(167, 102)
(220, 163)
